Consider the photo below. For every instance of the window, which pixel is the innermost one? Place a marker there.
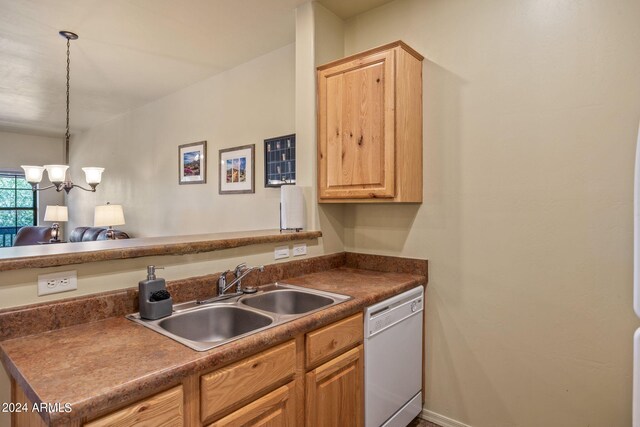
(18, 206)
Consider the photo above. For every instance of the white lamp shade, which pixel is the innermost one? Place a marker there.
(56, 214)
(93, 175)
(33, 174)
(108, 215)
(57, 173)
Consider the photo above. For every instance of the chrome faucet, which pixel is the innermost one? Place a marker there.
(240, 272)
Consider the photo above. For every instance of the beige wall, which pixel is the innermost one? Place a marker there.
(242, 106)
(531, 113)
(319, 36)
(139, 150)
(15, 150)
(20, 149)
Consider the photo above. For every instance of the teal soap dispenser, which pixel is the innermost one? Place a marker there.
(154, 300)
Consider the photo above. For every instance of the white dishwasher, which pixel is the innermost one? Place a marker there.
(393, 360)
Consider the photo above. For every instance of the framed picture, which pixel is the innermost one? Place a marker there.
(192, 163)
(280, 161)
(237, 170)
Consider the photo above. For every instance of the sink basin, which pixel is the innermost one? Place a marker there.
(288, 301)
(205, 326)
(214, 324)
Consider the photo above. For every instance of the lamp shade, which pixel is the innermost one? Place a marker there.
(56, 214)
(108, 215)
(93, 175)
(57, 173)
(33, 174)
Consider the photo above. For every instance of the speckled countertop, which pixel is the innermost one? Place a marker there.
(114, 361)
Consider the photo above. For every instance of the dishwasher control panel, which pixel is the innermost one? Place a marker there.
(382, 316)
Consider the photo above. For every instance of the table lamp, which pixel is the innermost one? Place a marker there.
(107, 216)
(56, 214)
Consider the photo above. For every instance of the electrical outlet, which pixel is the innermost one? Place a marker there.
(54, 283)
(300, 249)
(281, 252)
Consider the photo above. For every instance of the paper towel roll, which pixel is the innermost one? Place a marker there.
(291, 208)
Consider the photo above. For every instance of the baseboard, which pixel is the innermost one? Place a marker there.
(441, 420)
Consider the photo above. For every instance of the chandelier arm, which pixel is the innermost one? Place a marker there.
(91, 190)
(34, 187)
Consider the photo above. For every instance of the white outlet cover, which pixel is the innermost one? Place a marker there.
(300, 249)
(281, 252)
(54, 283)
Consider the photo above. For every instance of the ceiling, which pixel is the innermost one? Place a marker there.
(346, 9)
(129, 53)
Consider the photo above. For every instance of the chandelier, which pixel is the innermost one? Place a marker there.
(58, 173)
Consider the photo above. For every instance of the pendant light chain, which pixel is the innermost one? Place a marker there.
(67, 135)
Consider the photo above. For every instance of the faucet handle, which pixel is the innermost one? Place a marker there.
(239, 269)
(222, 280)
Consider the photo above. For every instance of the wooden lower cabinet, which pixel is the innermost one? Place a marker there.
(28, 418)
(163, 409)
(326, 343)
(273, 410)
(224, 389)
(334, 392)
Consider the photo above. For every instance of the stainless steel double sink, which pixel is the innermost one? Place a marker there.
(205, 326)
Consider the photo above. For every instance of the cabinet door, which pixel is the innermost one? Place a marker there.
(273, 410)
(334, 392)
(356, 131)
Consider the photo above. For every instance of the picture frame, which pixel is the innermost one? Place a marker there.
(280, 161)
(192, 163)
(237, 170)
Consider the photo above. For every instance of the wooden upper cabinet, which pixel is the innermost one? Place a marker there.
(370, 127)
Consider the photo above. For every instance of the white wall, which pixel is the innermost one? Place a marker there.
(20, 149)
(531, 116)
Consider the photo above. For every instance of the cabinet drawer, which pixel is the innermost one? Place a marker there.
(163, 409)
(274, 409)
(245, 379)
(332, 340)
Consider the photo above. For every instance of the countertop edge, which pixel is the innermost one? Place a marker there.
(200, 243)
